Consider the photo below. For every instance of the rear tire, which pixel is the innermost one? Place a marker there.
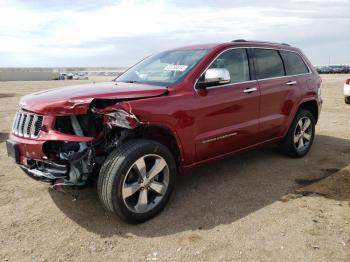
(137, 179)
(347, 100)
(300, 136)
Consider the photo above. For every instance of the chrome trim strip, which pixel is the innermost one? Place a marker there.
(25, 128)
(21, 123)
(32, 128)
(18, 121)
(250, 47)
(39, 118)
(219, 138)
(26, 124)
(279, 77)
(231, 84)
(14, 125)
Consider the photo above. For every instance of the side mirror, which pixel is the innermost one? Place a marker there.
(214, 77)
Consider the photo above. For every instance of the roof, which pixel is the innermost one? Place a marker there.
(238, 42)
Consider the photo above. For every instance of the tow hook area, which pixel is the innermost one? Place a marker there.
(73, 174)
(47, 172)
(73, 169)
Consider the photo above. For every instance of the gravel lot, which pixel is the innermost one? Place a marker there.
(259, 206)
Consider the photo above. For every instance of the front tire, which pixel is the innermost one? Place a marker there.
(300, 136)
(137, 179)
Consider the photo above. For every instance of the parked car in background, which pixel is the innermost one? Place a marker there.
(347, 91)
(74, 76)
(83, 76)
(63, 76)
(69, 76)
(166, 115)
(333, 69)
(80, 76)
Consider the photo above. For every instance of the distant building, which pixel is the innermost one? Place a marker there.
(37, 74)
(28, 74)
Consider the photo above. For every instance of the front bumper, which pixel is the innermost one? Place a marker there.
(22, 150)
(28, 153)
(36, 168)
(32, 149)
(42, 175)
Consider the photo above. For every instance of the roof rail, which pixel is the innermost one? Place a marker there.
(262, 42)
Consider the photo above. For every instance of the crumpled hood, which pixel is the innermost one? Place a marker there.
(75, 99)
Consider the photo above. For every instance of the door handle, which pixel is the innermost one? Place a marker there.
(250, 90)
(291, 83)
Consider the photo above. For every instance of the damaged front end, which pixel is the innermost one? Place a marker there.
(74, 147)
(62, 136)
(64, 161)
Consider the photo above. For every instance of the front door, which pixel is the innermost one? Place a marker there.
(227, 115)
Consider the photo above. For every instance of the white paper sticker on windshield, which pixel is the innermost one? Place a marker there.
(180, 68)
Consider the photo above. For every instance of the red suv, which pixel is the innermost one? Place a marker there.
(169, 113)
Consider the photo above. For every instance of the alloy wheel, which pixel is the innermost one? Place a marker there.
(145, 183)
(303, 134)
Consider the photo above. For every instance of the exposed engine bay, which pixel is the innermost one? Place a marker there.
(70, 163)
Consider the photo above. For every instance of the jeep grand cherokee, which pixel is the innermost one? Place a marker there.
(169, 113)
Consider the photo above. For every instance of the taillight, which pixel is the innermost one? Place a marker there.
(347, 81)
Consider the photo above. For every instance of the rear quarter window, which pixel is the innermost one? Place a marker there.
(269, 63)
(293, 63)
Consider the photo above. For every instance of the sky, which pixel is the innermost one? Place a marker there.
(63, 33)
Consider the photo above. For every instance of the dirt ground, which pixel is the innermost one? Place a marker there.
(259, 206)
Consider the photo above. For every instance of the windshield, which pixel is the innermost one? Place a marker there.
(164, 69)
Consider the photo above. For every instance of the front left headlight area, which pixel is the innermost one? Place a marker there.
(121, 118)
(86, 125)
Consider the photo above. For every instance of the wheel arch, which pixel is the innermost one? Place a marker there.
(308, 104)
(311, 106)
(165, 136)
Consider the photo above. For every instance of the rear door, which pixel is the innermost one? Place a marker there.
(227, 116)
(277, 92)
(298, 70)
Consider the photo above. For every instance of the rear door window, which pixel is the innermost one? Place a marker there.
(269, 63)
(293, 63)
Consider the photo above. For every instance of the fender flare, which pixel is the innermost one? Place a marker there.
(295, 110)
(172, 131)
